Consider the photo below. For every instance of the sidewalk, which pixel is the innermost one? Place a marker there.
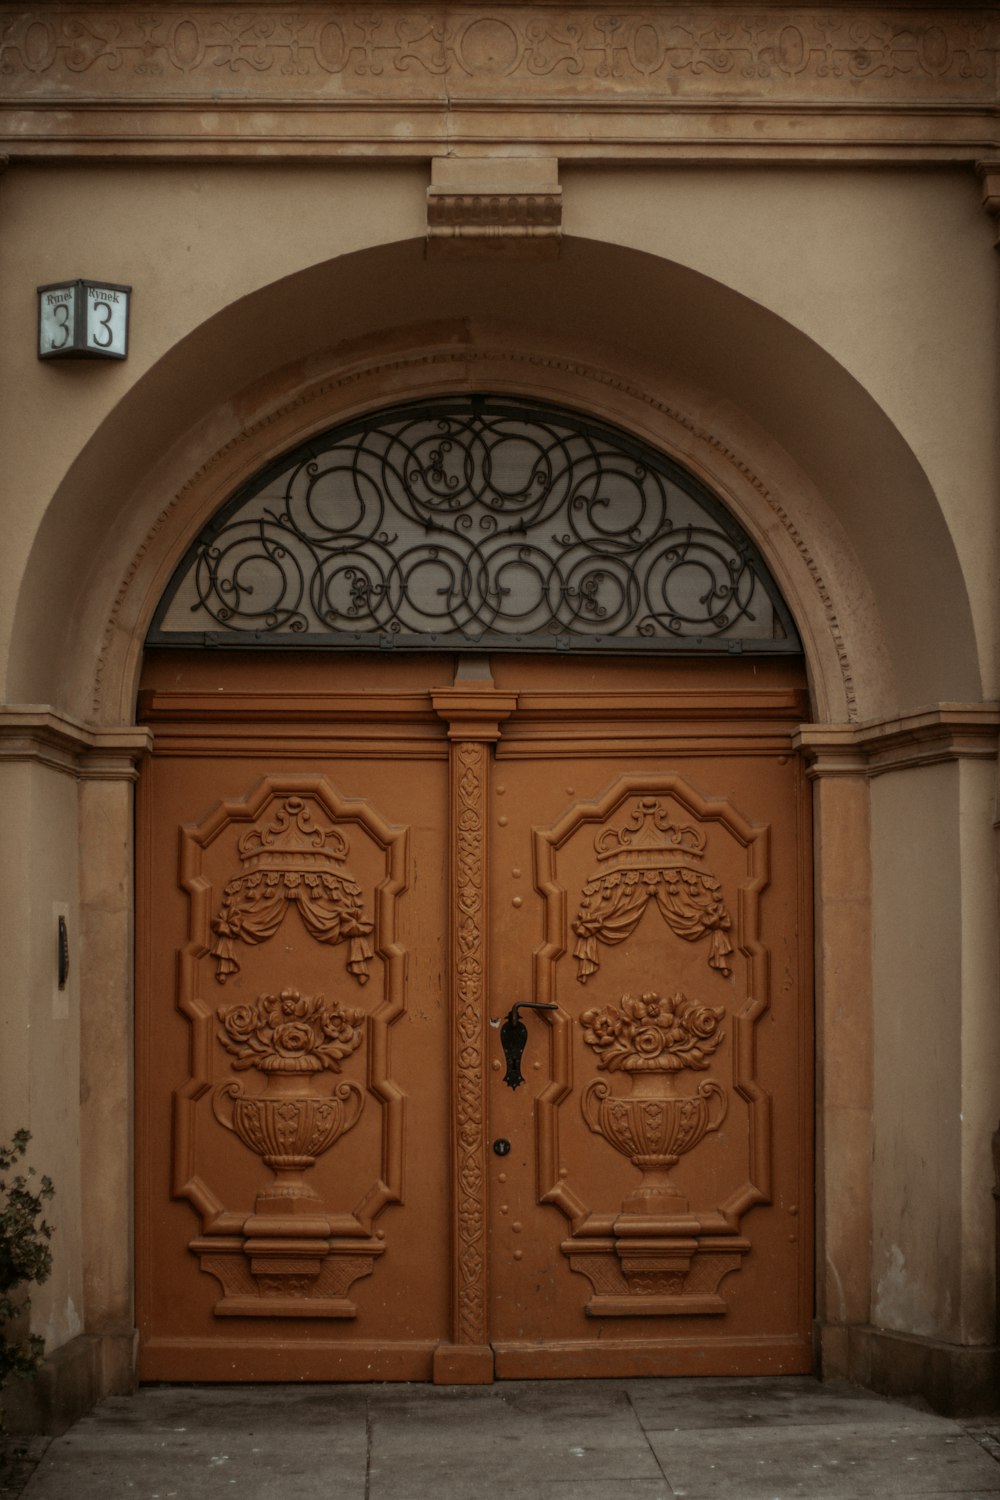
(559, 1440)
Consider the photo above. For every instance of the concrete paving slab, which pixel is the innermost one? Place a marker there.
(156, 1475)
(19, 1457)
(447, 1487)
(529, 1400)
(235, 1406)
(526, 1435)
(515, 1433)
(212, 1444)
(678, 1404)
(823, 1462)
(782, 1439)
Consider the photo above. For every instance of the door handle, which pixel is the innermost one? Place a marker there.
(514, 1036)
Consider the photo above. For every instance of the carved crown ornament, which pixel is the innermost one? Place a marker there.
(292, 858)
(650, 858)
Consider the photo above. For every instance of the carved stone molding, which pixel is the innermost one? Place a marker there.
(180, 50)
(989, 172)
(63, 744)
(510, 205)
(364, 64)
(948, 731)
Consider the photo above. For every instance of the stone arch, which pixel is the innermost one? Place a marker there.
(213, 410)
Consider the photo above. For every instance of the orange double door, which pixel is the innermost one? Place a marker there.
(355, 1158)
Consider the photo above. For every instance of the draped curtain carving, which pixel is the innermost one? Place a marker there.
(254, 907)
(292, 860)
(653, 860)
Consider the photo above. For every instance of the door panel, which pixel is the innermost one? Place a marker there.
(648, 878)
(292, 1013)
(317, 1197)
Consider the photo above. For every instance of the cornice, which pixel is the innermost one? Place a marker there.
(40, 735)
(928, 736)
(900, 82)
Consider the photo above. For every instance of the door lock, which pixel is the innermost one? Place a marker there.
(514, 1036)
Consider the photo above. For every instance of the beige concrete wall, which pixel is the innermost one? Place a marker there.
(39, 1024)
(894, 275)
(845, 318)
(191, 241)
(106, 1052)
(936, 1042)
(842, 837)
(828, 336)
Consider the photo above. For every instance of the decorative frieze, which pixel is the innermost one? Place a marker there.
(629, 80)
(400, 51)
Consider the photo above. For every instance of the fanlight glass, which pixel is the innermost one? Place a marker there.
(475, 523)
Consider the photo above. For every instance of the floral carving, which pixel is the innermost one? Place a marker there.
(290, 1033)
(652, 1034)
(650, 1039)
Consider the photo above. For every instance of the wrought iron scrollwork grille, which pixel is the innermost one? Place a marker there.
(475, 522)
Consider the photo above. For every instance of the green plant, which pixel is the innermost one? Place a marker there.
(25, 1258)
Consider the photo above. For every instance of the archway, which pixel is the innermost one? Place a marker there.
(159, 465)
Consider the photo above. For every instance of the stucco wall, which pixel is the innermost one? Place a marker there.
(936, 1034)
(39, 1023)
(851, 328)
(825, 334)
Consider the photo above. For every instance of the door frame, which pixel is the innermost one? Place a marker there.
(474, 712)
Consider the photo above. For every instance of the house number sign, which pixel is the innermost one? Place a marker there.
(83, 320)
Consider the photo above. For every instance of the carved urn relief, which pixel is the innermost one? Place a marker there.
(290, 1038)
(286, 1265)
(659, 1264)
(650, 1040)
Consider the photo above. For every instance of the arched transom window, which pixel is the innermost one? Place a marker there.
(479, 523)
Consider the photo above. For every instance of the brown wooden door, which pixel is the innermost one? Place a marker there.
(346, 869)
(649, 877)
